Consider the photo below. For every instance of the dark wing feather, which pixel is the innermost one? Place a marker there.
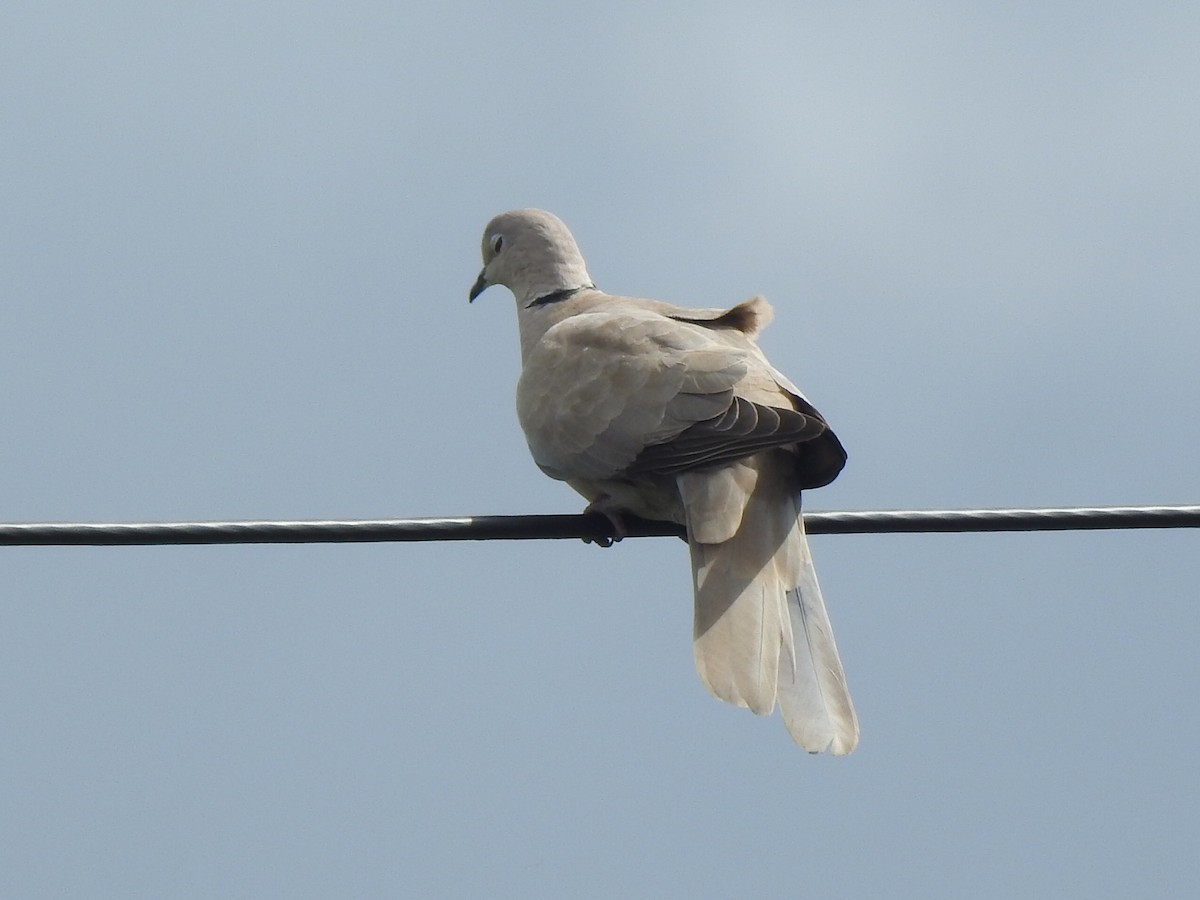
(743, 429)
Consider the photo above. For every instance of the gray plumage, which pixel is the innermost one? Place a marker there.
(675, 414)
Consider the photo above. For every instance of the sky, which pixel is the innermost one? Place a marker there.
(235, 247)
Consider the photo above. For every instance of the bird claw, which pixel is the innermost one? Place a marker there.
(604, 506)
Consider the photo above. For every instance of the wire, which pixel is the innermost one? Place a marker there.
(589, 527)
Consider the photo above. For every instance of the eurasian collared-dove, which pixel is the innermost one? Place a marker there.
(675, 414)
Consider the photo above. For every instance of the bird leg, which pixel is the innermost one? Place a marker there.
(605, 506)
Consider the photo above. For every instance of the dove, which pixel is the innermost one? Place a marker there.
(674, 414)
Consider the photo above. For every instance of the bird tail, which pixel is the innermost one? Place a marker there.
(761, 631)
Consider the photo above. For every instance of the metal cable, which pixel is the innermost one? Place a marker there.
(592, 527)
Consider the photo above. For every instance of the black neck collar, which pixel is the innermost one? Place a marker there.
(556, 296)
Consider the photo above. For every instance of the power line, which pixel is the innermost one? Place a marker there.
(593, 527)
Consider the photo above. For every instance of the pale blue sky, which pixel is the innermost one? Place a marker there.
(235, 247)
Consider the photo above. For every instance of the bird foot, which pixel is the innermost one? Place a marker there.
(605, 506)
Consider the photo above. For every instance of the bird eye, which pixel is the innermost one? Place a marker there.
(497, 243)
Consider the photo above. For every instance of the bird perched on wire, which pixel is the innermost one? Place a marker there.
(675, 414)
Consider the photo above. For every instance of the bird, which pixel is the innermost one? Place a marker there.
(674, 414)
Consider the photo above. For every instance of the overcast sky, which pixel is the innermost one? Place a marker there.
(235, 246)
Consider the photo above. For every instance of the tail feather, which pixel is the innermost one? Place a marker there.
(813, 696)
(761, 630)
(738, 629)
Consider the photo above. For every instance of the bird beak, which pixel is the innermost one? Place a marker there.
(480, 285)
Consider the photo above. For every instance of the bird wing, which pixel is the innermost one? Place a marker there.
(624, 389)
